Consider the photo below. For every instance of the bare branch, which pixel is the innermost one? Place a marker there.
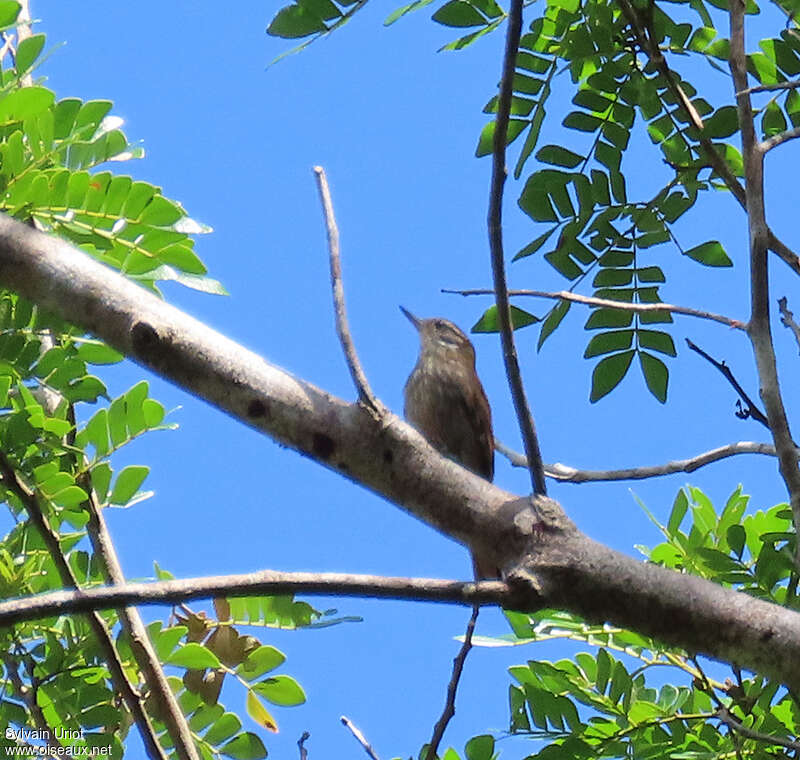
(759, 328)
(776, 140)
(360, 738)
(549, 560)
(735, 725)
(452, 688)
(263, 583)
(787, 319)
(133, 700)
(365, 393)
(770, 87)
(495, 223)
(143, 651)
(301, 743)
(752, 409)
(27, 694)
(565, 295)
(566, 474)
(786, 254)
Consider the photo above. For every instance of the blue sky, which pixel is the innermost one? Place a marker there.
(395, 125)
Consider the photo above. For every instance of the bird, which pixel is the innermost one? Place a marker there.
(445, 401)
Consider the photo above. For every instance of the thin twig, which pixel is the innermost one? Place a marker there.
(365, 393)
(786, 254)
(779, 139)
(28, 696)
(301, 743)
(770, 87)
(360, 738)
(759, 329)
(452, 688)
(143, 651)
(787, 319)
(495, 223)
(262, 583)
(752, 409)
(132, 699)
(567, 474)
(565, 295)
(725, 716)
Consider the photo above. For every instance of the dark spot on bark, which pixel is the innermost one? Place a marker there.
(144, 338)
(766, 636)
(323, 446)
(388, 457)
(257, 408)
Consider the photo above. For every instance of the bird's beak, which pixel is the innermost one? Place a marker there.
(416, 321)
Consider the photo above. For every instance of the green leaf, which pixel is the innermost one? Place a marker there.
(488, 322)
(608, 342)
(25, 103)
(245, 746)
(28, 51)
(260, 661)
(792, 106)
(281, 690)
(656, 375)
(127, 483)
(583, 122)
(194, 656)
(712, 254)
(773, 122)
(535, 245)
(96, 352)
(480, 748)
(400, 12)
(295, 21)
(72, 496)
(552, 321)
(735, 537)
(458, 13)
(9, 10)
(657, 341)
(722, 123)
(486, 140)
(608, 374)
(223, 728)
(555, 154)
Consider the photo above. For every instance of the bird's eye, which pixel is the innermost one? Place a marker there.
(449, 337)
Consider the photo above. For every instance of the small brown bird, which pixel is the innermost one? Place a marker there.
(445, 401)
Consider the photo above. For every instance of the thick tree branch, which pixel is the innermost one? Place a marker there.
(365, 393)
(567, 474)
(131, 697)
(548, 560)
(639, 308)
(495, 223)
(759, 328)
